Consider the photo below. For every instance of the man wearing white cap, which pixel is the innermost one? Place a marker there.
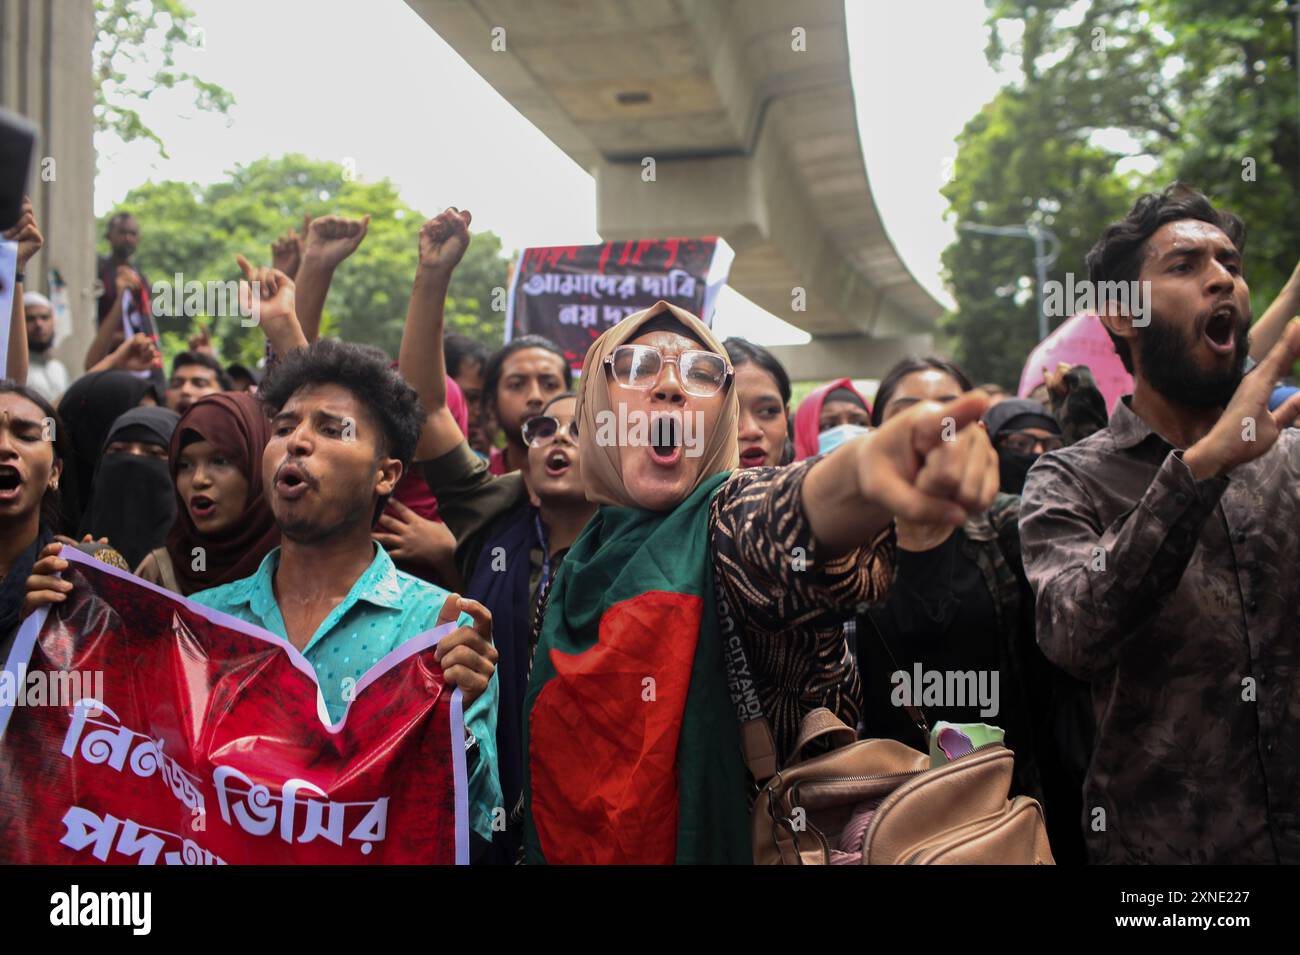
(45, 373)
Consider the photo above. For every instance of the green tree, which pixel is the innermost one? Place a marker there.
(1010, 170)
(1113, 98)
(135, 55)
(1239, 130)
(195, 231)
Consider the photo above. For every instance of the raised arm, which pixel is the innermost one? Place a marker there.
(137, 353)
(1097, 583)
(270, 301)
(109, 335)
(16, 361)
(29, 240)
(443, 241)
(1077, 403)
(1265, 333)
(286, 252)
(327, 241)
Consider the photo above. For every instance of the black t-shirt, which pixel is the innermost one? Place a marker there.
(939, 613)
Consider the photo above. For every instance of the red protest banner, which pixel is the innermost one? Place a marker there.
(137, 727)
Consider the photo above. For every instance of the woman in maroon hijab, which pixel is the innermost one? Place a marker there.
(224, 526)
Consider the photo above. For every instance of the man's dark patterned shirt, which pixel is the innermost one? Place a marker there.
(1179, 602)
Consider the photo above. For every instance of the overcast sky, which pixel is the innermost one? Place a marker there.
(322, 78)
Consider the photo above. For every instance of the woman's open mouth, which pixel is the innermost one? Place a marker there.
(752, 457)
(11, 483)
(665, 440)
(557, 464)
(1221, 330)
(202, 507)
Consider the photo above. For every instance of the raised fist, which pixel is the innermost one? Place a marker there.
(137, 353)
(286, 252)
(331, 239)
(25, 233)
(1055, 380)
(444, 239)
(126, 278)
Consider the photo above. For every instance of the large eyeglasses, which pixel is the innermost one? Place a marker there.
(1022, 442)
(542, 429)
(638, 367)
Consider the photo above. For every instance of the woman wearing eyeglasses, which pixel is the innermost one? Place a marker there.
(961, 604)
(633, 740)
(512, 530)
(1021, 431)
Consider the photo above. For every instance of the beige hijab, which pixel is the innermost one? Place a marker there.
(601, 471)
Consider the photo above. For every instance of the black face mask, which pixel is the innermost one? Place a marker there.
(1013, 467)
(134, 504)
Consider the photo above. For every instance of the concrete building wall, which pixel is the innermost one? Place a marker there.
(45, 75)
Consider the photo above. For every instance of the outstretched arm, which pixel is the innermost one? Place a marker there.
(933, 463)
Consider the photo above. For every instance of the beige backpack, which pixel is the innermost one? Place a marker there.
(878, 802)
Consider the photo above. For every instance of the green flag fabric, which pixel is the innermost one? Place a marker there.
(632, 745)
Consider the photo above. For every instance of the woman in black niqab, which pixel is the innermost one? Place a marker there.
(133, 501)
(88, 410)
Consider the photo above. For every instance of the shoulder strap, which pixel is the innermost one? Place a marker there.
(817, 724)
(915, 712)
(757, 744)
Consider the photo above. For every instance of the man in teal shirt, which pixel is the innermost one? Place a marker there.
(344, 426)
(384, 609)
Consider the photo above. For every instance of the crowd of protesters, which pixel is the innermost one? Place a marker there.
(1126, 572)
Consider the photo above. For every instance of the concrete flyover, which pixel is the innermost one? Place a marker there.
(746, 108)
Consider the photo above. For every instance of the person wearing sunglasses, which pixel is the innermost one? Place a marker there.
(1022, 430)
(511, 530)
(633, 744)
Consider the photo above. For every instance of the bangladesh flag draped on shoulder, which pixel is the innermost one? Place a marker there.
(633, 749)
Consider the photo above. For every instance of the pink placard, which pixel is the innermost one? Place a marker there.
(1081, 340)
